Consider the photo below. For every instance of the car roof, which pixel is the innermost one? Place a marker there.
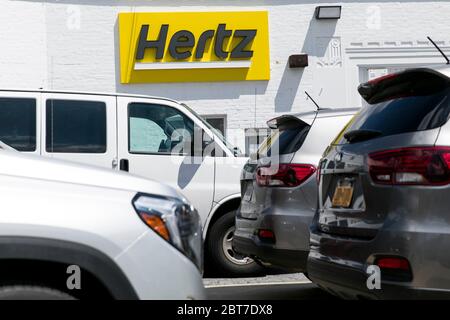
(111, 94)
(308, 117)
(443, 69)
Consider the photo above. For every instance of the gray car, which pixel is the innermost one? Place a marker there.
(279, 188)
(382, 229)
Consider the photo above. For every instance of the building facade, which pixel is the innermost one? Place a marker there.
(76, 45)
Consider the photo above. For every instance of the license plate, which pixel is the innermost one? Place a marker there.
(342, 196)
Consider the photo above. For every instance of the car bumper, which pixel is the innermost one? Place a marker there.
(290, 259)
(339, 264)
(351, 283)
(290, 248)
(158, 271)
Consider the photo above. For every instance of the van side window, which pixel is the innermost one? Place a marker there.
(18, 123)
(75, 126)
(158, 129)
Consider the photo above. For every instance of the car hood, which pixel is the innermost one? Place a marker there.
(37, 167)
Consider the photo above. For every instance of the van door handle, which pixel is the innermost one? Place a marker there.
(124, 165)
(114, 163)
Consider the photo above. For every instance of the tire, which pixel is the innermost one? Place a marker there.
(32, 293)
(226, 264)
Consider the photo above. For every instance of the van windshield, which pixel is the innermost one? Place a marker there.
(216, 132)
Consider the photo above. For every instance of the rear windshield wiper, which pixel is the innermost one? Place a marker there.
(361, 135)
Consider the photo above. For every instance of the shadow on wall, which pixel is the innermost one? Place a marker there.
(186, 90)
(290, 81)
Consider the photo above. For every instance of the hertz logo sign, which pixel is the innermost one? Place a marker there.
(194, 46)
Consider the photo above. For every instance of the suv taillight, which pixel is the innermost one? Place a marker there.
(411, 166)
(286, 175)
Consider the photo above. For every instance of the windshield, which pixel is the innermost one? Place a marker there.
(216, 132)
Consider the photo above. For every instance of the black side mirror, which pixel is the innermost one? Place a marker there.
(237, 152)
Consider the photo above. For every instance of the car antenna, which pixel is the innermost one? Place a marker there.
(317, 106)
(440, 50)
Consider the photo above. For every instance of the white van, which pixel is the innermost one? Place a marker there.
(136, 134)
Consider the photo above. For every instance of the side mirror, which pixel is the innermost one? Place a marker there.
(237, 152)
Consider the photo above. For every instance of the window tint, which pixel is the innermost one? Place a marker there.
(18, 123)
(158, 129)
(402, 115)
(286, 139)
(254, 137)
(75, 126)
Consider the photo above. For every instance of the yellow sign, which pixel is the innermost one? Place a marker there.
(194, 46)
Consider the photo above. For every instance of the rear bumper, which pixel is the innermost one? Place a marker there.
(339, 264)
(291, 246)
(291, 259)
(350, 283)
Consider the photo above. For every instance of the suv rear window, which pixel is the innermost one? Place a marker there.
(288, 138)
(415, 108)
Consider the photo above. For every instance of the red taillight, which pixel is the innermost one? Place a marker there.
(411, 166)
(394, 268)
(266, 234)
(393, 263)
(285, 175)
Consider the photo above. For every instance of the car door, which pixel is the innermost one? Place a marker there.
(155, 141)
(20, 119)
(79, 127)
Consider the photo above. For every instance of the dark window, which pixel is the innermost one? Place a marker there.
(409, 101)
(158, 129)
(288, 138)
(217, 123)
(401, 115)
(75, 126)
(18, 123)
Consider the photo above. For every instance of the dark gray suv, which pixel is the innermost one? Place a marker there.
(384, 193)
(279, 190)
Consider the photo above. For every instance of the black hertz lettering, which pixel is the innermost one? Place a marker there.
(182, 43)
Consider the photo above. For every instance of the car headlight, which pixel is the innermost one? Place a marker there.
(175, 221)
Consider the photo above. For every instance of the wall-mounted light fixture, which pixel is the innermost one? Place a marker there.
(328, 12)
(298, 61)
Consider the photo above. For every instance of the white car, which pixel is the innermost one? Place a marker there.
(139, 134)
(73, 231)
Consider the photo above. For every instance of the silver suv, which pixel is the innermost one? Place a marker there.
(279, 190)
(384, 193)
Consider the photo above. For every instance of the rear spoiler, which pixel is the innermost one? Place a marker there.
(412, 82)
(291, 121)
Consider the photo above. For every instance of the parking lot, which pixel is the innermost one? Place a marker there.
(293, 286)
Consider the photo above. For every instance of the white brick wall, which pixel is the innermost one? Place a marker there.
(73, 44)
